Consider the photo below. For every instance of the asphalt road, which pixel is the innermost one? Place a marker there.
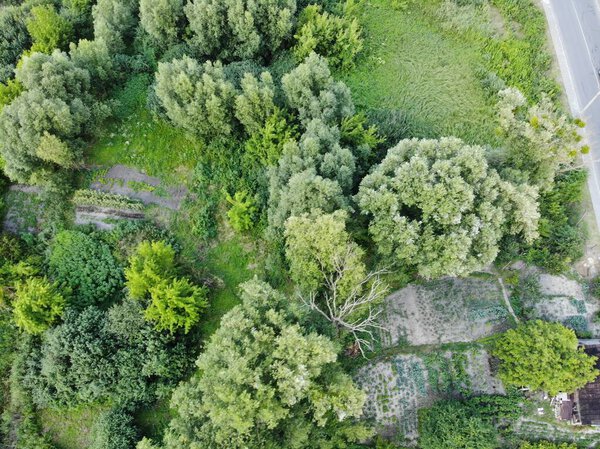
(575, 29)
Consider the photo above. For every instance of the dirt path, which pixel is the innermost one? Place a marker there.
(507, 300)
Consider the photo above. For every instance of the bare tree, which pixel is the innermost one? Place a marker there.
(356, 312)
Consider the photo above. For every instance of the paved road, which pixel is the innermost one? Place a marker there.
(575, 29)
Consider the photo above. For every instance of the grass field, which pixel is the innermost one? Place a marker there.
(70, 428)
(410, 63)
(135, 139)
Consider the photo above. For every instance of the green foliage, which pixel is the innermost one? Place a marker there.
(9, 91)
(437, 206)
(114, 429)
(266, 144)
(49, 31)
(338, 38)
(114, 22)
(14, 39)
(544, 356)
(85, 265)
(175, 305)
(152, 264)
(540, 138)
(37, 305)
(87, 197)
(241, 212)
(318, 245)
(561, 241)
(94, 57)
(312, 92)
(247, 391)
(236, 29)
(160, 19)
(41, 128)
(97, 356)
(450, 425)
(256, 103)
(196, 97)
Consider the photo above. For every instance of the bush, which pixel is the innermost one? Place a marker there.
(37, 305)
(241, 212)
(85, 265)
(103, 199)
(115, 429)
(266, 144)
(336, 38)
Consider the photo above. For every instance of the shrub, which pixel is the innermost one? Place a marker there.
(241, 212)
(114, 429)
(85, 265)
(336, 38)
(37, 305)
(266, 144)
(150, 265)
(87, 197)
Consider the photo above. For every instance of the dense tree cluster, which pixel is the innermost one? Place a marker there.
(438, 206)
(265, 382)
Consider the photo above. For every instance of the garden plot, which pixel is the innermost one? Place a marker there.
(445, 311)
(564, 300)
(398, 387)
(134, 184)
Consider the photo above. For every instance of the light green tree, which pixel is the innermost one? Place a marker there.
(266, 145)
(311, 90)
(37, 305)
(242, 211)
(196, 97)
(151, 264)
(540, 139)
(239, 29)
(544, 356)
(176, 304)
(49, 31)
(338, 38)
(160, 19)
(263, 381)
(256, 103)
(114, 22)
(437, 205)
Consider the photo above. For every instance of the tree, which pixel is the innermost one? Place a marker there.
(239, 29)
(338, 38)
(328, 268)
(97, 355)
(14, 39)
(311, 90)
(264, 382)
(540, 139)
(79, 14)
(114, 22)
(160, 19)
(176, 304)
(9, 91)
(544, 356)
(37, 305)
(49, 31)
(256, 102)
(41, 129)
(437, 206)
(449, 425)
(85, 265)
(266, 144)
(196, 97)
(94, 57)
(151, 264)
(314, 173)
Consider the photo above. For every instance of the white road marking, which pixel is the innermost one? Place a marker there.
(591, 102)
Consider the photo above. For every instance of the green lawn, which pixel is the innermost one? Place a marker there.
(412, 64)
(135, 139)
(70, 428)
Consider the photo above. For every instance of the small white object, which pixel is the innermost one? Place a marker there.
(540, 410)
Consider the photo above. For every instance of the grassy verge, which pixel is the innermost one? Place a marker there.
(70, 428)
(135, 139)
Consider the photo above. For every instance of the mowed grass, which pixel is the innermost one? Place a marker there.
(134, 138)
(410, 63)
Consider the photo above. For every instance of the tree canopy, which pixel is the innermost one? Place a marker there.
(437, 205)
(544, 356)
(37, 305)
